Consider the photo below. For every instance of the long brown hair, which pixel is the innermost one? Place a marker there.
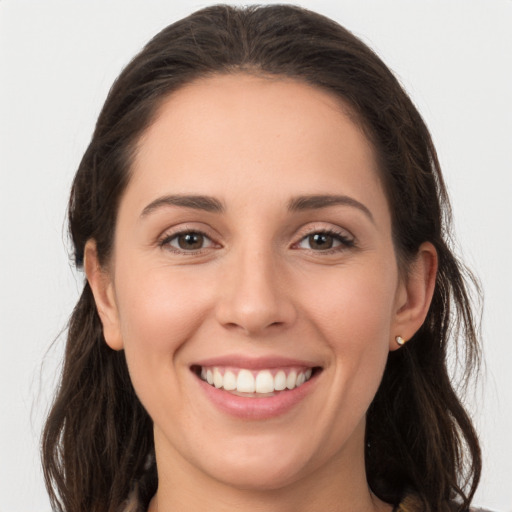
(97, 444)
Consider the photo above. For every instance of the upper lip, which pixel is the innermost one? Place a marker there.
(254, 363)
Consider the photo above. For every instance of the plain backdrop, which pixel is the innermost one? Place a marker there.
(57, 61)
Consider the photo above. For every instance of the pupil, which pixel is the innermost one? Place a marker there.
(320, 241)
(191, 241)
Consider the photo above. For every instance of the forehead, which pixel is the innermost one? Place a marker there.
(254, 132)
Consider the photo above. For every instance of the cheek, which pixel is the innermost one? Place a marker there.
(354, 306)
(355, 319)
(159, 311)
(158, 306)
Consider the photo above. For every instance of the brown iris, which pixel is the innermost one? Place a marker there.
(321, 241)
(190, 241)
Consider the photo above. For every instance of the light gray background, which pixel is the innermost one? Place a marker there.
(57, 61)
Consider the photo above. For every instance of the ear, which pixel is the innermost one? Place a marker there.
(100, 281)
(414, 295)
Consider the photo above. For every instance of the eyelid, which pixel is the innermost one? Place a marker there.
(346, 239)
(168, 235)
(343, 236)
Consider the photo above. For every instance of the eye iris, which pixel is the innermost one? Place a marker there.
(320, 241)
(190, 241)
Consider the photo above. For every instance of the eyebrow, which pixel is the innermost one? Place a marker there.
(315, 202)
(299, 203)
(196, 202)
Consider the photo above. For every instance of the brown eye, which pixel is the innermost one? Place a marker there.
(187, 241)
(320, 241)
(325, 241)
(190, 241)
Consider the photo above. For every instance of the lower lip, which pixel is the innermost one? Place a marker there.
(255, 408)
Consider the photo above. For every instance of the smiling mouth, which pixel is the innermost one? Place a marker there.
(255, 383)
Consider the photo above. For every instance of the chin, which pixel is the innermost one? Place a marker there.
(258, 468)
(258, 477)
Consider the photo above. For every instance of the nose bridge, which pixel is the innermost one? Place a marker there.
(255, 298)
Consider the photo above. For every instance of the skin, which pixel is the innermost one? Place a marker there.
(257, 287)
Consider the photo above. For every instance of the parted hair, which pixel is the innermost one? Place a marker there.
(97, 444)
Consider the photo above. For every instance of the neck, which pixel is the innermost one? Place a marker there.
(184, 488)
(282, 500)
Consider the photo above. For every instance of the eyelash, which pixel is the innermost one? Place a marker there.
(165, 242)
(345, 242)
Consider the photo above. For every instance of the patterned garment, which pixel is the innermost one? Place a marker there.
(409, 504)
(413, 504)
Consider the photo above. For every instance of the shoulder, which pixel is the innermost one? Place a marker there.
(412, 503)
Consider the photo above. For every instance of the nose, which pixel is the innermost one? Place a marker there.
(255, 295)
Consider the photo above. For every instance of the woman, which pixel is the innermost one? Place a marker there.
(270, 296)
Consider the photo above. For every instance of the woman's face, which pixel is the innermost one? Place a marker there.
(252, 253)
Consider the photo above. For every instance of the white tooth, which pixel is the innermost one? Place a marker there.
(245, 382)
(264, 382)
(209, 376)
(203, 373)
(301, 378)
(229, 381)
(217, 378)
(309, 371)
(280, 381)
(291, 380)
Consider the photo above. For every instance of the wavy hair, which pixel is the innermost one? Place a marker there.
(97, 444)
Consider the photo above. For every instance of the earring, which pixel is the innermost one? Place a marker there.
(400, 341)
